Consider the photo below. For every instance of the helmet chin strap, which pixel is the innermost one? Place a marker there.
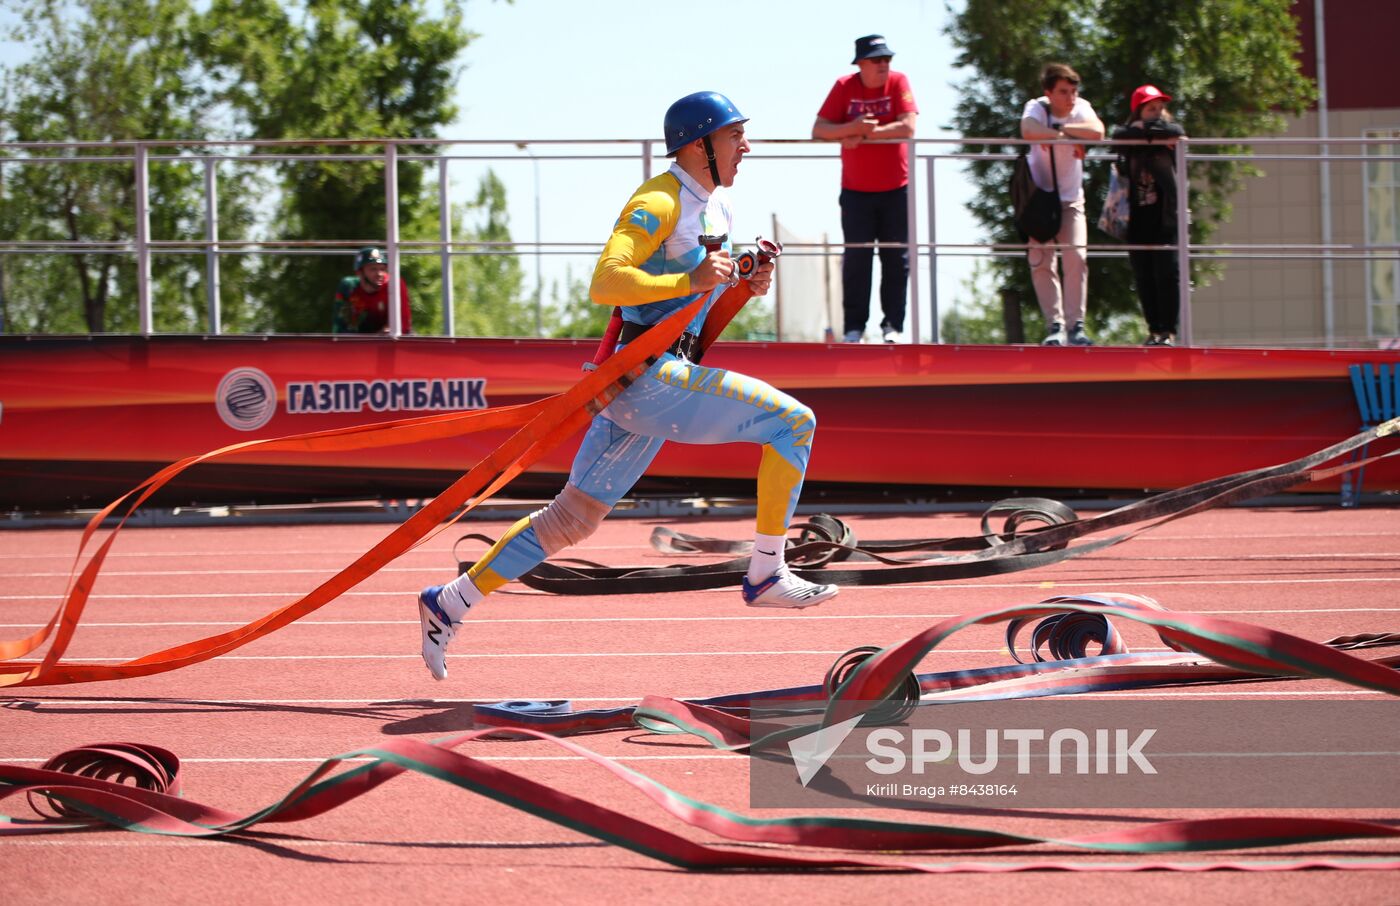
(710, 159)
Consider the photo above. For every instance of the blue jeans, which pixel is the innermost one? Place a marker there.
(881, 217)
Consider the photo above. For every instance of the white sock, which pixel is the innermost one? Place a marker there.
(458, 596)
(767, 556)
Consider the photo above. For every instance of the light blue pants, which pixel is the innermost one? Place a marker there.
(675, 400)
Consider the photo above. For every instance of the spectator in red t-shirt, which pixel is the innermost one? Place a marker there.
(870, 104)
(362, 301)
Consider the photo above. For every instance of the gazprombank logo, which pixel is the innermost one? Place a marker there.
(246, 399)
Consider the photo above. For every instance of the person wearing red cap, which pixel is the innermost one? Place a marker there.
(1152, 210)
(1061, 114)
(862, 108)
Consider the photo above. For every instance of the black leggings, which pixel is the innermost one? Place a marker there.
(1158, 288)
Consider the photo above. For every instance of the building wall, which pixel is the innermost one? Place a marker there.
(1360, 38)
(1263, 301)
(1277, 301)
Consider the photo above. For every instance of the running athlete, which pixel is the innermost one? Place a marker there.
(653, 265)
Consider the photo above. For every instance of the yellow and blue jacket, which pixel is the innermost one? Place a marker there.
(645, 266)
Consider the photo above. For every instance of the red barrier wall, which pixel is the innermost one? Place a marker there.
(84, 419)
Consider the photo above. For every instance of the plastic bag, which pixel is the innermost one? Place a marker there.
(1114, 219)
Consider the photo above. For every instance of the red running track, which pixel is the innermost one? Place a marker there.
(251, 724)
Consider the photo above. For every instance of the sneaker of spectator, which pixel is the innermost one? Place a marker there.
(1077, 336)
(1055, 336)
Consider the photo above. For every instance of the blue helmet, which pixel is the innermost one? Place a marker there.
(696, 116)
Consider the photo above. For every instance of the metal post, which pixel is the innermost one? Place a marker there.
(211, 250)
(1183, 243)
(449, 313)
(777, 292)
(391, 225)
(912, 308)
(935, 333)
(3, 305)
(1367, 237)
(1329, 310)
(832, 336)
(646, 160)
(539, 280)
(143, 240)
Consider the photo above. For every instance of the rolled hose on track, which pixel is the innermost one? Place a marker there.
(96, 797)
(1019, 545)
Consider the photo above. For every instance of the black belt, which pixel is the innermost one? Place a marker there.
(687, 345)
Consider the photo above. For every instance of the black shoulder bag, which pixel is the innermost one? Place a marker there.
(1036, 212)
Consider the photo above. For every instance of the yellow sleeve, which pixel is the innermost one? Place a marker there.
(646, 221)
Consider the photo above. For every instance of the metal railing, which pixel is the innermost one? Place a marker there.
(924, 245)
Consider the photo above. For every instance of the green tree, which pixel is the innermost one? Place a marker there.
(1231, 66)
(337, 69)
(488, 286)
(753, 322)
(572, 313)
(101, 71)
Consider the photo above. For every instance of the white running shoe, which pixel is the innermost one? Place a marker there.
(438, 630)
(783, 589)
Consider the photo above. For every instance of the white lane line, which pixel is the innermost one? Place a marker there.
(484, 621)
(969, 529)
(384, 703)
(134, 841)
(280, 571)
(583, 704)
(1061, 584)
(351, 552)
(545, 654)
(1100, 558)
(1388, 555)
(734, 619)
(714, 756)
(1227, 693)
